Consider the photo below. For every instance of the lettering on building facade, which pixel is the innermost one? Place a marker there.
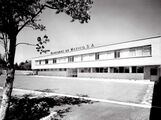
(73, 49)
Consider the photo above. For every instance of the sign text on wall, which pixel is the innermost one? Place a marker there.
(73, 49)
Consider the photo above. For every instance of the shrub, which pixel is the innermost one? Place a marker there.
(30, 108)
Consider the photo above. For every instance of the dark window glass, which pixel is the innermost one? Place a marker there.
(105, 70)
(54, 60)
(126, 70)
(97, 70)
(117, 54)
(96, 56)
(39, 62)
(101, 70)
(134, 69)
(46, 61)
(116, 70)
(153, 71)
(71, 59)
(140, 69)
(121, 69)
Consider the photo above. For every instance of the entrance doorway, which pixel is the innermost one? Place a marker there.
(154, 74)
(72, 72)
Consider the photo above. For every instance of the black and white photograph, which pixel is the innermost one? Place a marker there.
(80, 59)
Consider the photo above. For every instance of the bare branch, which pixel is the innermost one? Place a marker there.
(25, 44)
(31, 18)
(1, 44)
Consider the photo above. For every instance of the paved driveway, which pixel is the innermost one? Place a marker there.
(106, 111)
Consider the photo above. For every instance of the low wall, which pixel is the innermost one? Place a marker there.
(53, 73)
(135, 76)
(23, 72)
(20, 72)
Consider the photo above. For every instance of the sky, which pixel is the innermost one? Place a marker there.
(112, 21)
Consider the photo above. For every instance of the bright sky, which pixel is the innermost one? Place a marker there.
(111, 21)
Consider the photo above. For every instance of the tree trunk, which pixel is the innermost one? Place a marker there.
(7, 89)
(155, 113)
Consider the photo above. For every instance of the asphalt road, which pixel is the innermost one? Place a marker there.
(107, 111)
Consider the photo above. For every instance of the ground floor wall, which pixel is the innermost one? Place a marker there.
(132, 76)
(152, 72)
(128, 72)
(53, 73)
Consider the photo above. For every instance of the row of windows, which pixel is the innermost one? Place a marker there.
(116, 54)
(134, 69)
(59, 69)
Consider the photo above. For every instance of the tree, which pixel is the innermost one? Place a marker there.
(15, 15)
(155, 112)
(24, 65)
(2, 62)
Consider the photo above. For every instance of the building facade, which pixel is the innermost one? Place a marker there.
(137, 59)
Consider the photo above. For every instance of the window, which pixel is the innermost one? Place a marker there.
(54, 60)
(147, 50)
(95, 70)
(126, 69)
(46, 61)
(39, 62)
(153, 71)
(105, 70)
(85, 70)
(139, 51)
(140, 69)
(124, 53)
(71, 59)
(121, 69)
(132, 52)
(96, 56)
(114, 69)
(117, 54)
(134, 69)
(101, 70)
(137, 69)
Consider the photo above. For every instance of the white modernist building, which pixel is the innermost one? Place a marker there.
(137, 59)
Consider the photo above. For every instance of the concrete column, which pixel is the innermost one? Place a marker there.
(91, 70)
(108, 69)
(130, 69)
(159, 70)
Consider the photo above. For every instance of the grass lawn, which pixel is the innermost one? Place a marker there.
(78, 109)
(117, 91)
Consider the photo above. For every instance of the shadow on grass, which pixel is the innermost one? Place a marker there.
(28, 107)
(46, 90)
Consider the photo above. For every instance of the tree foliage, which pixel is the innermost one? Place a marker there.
(34, 108)
(23, 65)
(2, 62)
(17, 14)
